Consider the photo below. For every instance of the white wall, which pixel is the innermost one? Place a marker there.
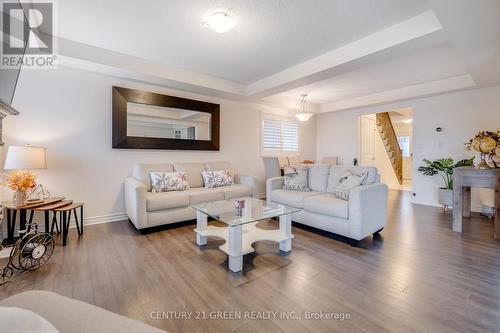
(69, 112)
(460, 114)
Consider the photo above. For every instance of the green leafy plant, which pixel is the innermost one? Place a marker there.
(444, 167)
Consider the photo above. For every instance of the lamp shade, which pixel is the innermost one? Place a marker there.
(25, 158)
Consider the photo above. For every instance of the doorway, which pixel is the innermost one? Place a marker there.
(386, 141)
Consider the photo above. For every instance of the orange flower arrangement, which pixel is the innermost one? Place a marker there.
(21, 180)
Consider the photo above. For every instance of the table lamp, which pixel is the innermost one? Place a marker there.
(23, 159)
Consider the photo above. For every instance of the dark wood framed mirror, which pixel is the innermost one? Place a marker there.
(146, 120)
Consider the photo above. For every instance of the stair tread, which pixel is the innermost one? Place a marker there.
(389, 139)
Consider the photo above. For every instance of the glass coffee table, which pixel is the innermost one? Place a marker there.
(242, 231)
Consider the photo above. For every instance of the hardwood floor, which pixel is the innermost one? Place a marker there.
(418, 276)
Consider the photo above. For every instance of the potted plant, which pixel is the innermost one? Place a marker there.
(444, 167)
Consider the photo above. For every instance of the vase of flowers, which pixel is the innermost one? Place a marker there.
(485, 143)
(20, 182)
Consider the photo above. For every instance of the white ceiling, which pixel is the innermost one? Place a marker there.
(401, 115)
(270, 36)
(343, 53)
(419, 67)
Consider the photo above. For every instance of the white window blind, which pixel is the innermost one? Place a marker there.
(280, 135)
(290, 134)
(271, 135)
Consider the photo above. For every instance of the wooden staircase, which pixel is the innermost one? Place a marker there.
(391, 144)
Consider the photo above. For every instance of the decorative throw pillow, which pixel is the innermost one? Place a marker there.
(348, 181)
(296, 179)
(217, 178)
(168, 181)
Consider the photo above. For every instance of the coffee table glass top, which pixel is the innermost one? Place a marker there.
(253, 211)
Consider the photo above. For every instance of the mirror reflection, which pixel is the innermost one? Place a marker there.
(169, 123)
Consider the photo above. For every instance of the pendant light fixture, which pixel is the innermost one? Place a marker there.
(303, 115)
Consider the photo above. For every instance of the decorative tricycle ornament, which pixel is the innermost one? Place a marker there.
(30, 252)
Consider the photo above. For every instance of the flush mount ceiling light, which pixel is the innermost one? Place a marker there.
(221, 22)
(303, 115)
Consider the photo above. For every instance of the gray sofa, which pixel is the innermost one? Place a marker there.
(72, 316)
(363, 214)
(146, 209)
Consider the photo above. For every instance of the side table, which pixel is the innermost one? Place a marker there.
(12, 210)
(66, 219)
(50, 208)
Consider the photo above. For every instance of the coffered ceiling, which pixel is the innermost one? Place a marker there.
(342, 53)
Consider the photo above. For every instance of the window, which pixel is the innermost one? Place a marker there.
(279, 135)
(177, 134)
(405, 145)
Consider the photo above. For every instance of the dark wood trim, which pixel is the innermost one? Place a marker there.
(121, 96)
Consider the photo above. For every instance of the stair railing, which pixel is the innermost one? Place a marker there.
(386, 130)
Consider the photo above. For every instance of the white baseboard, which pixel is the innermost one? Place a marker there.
(426, 202)
(474, 208)
(86, 222)
(104, 219)
(121, 216)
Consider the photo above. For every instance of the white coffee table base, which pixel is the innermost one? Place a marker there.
(239, 239)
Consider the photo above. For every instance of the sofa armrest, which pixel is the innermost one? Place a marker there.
(274, 183)
(367, 210)
(71, 315)
(135, 202)
(246, 180)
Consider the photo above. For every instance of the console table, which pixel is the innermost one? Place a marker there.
(463, 179)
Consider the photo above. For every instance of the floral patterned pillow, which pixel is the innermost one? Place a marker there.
(217, 178)
(168, 181)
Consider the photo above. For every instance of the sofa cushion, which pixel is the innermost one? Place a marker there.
(327, 204)
(337, 171)
(318, 177)
(214, 166)
(201, 194)
(193, 171)
(237, 191)
(291, 198)
(141, 171)
(15, 319)
(166, 200)
(70, 315)
(296, 179)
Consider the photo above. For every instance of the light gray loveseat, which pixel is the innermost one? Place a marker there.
(146, 209)
(73, 316)
(363, 214)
